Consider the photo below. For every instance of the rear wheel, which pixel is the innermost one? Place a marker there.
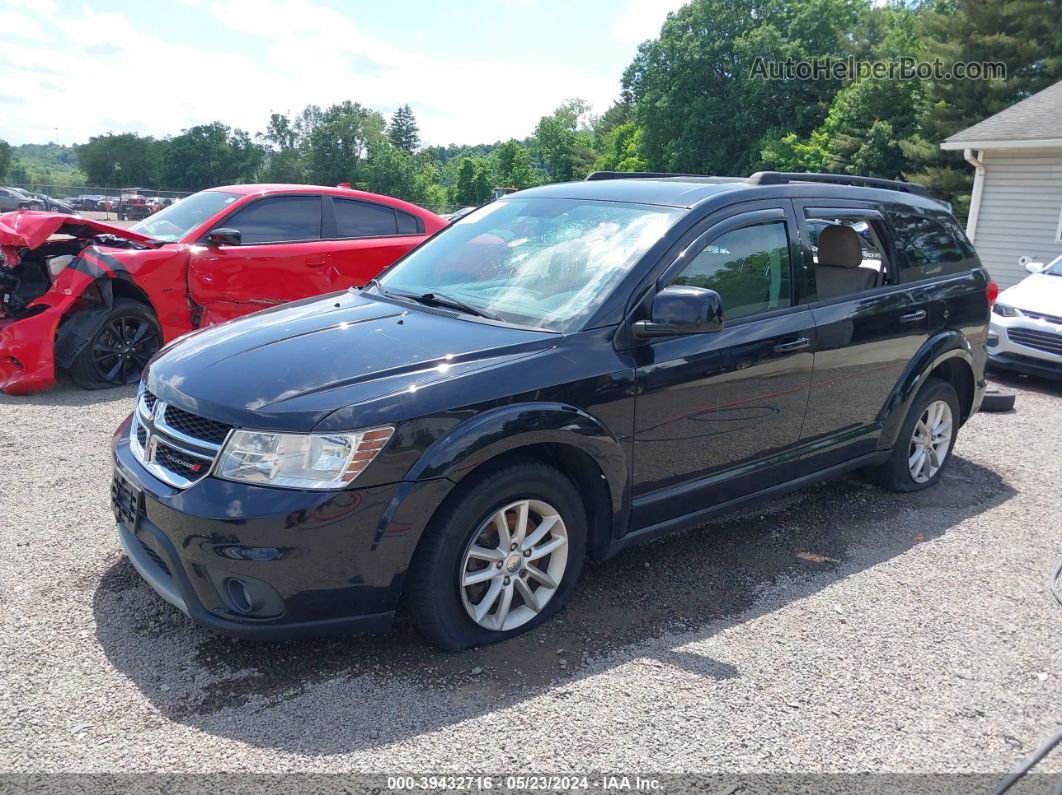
(500, 559)
(123, 341)
(923, 446)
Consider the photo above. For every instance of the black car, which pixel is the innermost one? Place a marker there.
(564, 372)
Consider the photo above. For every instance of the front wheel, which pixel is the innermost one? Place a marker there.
(923, 446)
(123, 340)
(499, 559)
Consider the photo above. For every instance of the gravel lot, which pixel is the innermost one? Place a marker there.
(841, 628)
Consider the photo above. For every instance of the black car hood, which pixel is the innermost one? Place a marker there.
(290, 367)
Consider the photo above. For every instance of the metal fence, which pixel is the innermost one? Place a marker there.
(110, 192)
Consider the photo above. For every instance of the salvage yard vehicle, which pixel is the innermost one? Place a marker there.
(1026, 330)
(564, 372)
(100, 304)
(15, 199)
(132, 205)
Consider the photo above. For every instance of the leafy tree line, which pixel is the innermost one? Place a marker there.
(690, 103)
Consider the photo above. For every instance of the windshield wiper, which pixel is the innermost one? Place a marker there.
(439, 299)
(434, 299)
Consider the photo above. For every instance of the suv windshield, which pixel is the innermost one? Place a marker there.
(547, 263)
(178, 219)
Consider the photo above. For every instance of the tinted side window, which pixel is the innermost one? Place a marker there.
(930, 246)
(363, 219)
(279, 220)
(748, 267)
(408, 224)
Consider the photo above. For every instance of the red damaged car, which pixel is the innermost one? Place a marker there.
(99, 303)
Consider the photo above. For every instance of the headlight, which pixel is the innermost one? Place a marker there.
(300, 460)
(1005, 310)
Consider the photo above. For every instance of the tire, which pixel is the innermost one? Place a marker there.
(996, 398)
(442, 609)
(121, 343)
(898, 473)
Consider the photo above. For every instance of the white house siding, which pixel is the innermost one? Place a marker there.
(1020, 210)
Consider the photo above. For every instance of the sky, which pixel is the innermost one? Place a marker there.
(474, 71)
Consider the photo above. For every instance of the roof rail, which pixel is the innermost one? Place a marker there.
(600, 175)
(782, 177)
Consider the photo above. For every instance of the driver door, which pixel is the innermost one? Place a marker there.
(281, 258)
(716, 412)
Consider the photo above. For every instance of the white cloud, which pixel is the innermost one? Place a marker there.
(303, 53)
(641, 19)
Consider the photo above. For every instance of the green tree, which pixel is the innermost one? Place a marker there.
(5, 158)
(284, 156)
(338, 141)
(121, 160)
(565, 142)
(512, 166)
(403, 131)
(1025, 35)
(696, 98)
(622, 149)
(473, 185)
(208, 155)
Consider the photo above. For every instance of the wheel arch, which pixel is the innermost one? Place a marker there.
(97, 298)
(948, 356)
(564, 437)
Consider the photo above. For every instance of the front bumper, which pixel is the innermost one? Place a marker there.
(1005, 352)
(271, 563)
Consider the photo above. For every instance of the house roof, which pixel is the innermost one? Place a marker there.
(1033, 123)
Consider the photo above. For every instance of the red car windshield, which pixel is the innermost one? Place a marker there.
(178, 219)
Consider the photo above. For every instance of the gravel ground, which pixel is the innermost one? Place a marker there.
(841, 628)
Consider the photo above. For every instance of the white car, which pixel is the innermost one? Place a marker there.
(1025, 333)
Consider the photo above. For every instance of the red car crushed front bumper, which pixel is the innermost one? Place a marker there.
(27, 349)
(27, 343)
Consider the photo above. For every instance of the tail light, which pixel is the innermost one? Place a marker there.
(992, 293)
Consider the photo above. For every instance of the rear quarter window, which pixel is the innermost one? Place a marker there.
(364, 219)
(930, 245)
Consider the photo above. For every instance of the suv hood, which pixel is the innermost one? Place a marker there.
(290, 367)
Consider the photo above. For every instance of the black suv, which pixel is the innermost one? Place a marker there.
(562, 373)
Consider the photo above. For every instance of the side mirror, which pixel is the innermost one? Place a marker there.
(223, 236)
(1034, 267)
(682, 310)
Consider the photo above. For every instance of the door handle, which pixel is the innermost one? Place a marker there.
(795, 345)
(316, 263)
(913, 317)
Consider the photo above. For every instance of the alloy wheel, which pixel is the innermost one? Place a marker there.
(930, 442)
(122, 348)
(513, 564)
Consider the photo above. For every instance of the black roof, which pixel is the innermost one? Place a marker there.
(688, 190)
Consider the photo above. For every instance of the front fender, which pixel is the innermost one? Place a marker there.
(947, 344)
(508, 428)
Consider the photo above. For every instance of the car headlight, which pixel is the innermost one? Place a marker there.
(1005, 310)
(300, 460)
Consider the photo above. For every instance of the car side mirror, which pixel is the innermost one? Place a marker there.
(682, 310)
(223, 236)
(1034, 267)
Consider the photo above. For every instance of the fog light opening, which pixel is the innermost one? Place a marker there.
(993, 340)
(240, 596)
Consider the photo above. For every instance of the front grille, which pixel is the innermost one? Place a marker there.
(1041, 316)
(155, 557)
(187, 466)
(174, 445)
(1040, 340)
(193, 425)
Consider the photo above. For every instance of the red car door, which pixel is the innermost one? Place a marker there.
(368, 236)
(281, 257)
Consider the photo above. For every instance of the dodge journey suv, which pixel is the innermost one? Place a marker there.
(560, 374)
